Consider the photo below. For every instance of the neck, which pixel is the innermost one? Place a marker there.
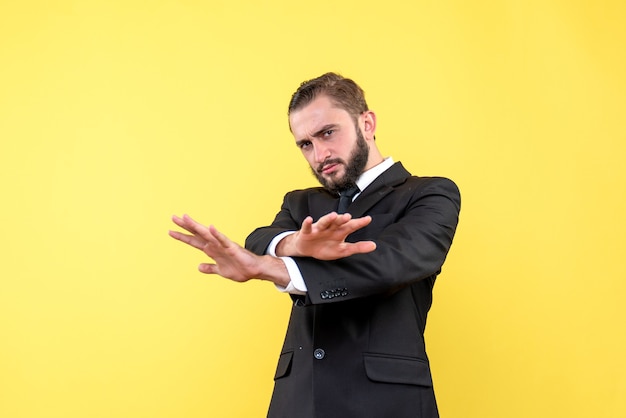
(374, 158)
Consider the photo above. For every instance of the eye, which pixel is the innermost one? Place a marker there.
(304, 144)
(329, 132)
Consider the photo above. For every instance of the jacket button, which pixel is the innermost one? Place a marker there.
(319, 353)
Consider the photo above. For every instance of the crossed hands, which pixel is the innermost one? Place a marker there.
(324, 240)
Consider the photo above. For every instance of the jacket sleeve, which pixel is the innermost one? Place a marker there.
(260, 238)
(413, 229)
(409, 247)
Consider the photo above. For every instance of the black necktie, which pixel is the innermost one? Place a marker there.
(345, 198)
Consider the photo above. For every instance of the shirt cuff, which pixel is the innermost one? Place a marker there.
(271, 249)
(296, 286)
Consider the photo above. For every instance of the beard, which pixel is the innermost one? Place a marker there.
(353, 168)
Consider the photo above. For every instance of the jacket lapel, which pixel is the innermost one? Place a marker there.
(322, 202)
(381, 187)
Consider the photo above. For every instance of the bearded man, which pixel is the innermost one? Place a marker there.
(358, 256)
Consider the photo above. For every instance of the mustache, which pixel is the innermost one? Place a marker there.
(330, 161)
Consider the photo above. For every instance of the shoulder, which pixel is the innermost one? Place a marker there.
(299, 194)
(426, 182)
(397, 174)
(420, 187)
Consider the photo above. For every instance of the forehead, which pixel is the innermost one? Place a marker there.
(320, 112)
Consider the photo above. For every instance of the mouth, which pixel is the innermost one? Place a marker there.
(328, 169)
(329, 166)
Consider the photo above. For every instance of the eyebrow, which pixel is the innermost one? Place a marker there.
(319, 132)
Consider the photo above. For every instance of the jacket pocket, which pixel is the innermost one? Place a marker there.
(284, 365)
(390, 369)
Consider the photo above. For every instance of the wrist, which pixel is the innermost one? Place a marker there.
(273, 269)
(286, 247)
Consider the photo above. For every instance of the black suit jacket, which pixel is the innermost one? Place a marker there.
(354, 345)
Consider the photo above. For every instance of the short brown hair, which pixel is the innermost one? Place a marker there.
(343, 92)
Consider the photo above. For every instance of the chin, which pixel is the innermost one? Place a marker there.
(334, 181)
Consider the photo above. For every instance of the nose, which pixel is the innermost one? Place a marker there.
(322, 153)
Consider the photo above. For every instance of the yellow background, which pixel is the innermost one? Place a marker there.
(114, 115)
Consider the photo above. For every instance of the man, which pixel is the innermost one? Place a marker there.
(361, 281)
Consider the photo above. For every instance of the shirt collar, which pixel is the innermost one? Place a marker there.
(367, 177)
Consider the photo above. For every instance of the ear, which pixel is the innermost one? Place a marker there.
(368, 119)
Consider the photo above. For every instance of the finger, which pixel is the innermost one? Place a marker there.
(180, 222)
(342, 219)
(221, 238)
(361, 247)
(197, 228)
(307, 225)
(358, 223)
(200, 233)
(188, 239)
(179, 236)
(185, 222)
(208, 268)
(325, 221)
